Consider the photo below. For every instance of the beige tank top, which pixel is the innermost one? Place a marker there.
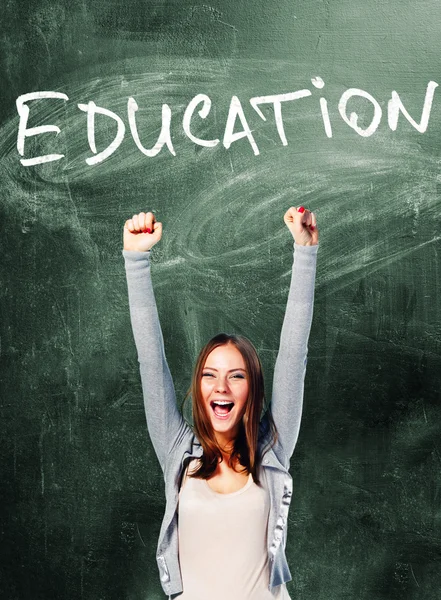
(222, 542)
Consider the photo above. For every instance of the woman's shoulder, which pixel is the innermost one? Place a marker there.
(190, 466)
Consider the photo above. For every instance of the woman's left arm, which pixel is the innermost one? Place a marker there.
(290, 368)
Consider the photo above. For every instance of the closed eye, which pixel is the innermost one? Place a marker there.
(235, 376)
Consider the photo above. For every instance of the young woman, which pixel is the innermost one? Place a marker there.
(227, 483)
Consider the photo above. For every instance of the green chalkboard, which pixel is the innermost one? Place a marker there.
(82, 496)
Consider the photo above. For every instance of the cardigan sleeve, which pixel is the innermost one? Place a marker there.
(290, 367)
(164, 420)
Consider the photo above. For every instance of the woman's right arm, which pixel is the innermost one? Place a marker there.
(164, 421)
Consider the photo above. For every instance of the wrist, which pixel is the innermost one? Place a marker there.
(135, 256)
(308, 249)
(134, 248)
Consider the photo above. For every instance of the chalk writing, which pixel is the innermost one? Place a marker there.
(236, 126)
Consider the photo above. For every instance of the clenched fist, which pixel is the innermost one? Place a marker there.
(141, 232)
(302, 225)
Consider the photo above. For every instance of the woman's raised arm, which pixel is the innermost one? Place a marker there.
(164, 421)
(290, 368)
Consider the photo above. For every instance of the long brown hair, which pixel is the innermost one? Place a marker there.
(245, 447)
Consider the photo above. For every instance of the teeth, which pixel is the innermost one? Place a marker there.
(222, 402)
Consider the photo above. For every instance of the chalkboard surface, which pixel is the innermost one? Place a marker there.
(82, 496)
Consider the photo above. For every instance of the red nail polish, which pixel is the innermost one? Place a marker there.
(301, 209)
(311, 227)
(148, 230)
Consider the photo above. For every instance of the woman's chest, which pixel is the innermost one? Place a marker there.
(240, 511)
(217, 527)
(227, 481)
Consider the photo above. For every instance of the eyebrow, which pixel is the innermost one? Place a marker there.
(229, 371)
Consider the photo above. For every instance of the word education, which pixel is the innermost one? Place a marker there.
(236, 126)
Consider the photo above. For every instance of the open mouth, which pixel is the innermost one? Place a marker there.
(221, 408)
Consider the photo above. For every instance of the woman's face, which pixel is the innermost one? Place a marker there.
(224, 390)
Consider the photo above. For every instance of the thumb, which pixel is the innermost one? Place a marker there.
(313, 230)
(314, 236)
(157, 230)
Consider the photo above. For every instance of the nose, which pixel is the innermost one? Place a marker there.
(221, 385)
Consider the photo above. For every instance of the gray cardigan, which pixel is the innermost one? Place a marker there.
(174, 441)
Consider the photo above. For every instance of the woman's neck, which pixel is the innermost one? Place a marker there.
(226, 446)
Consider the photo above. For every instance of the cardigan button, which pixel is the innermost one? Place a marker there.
(266, 461)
